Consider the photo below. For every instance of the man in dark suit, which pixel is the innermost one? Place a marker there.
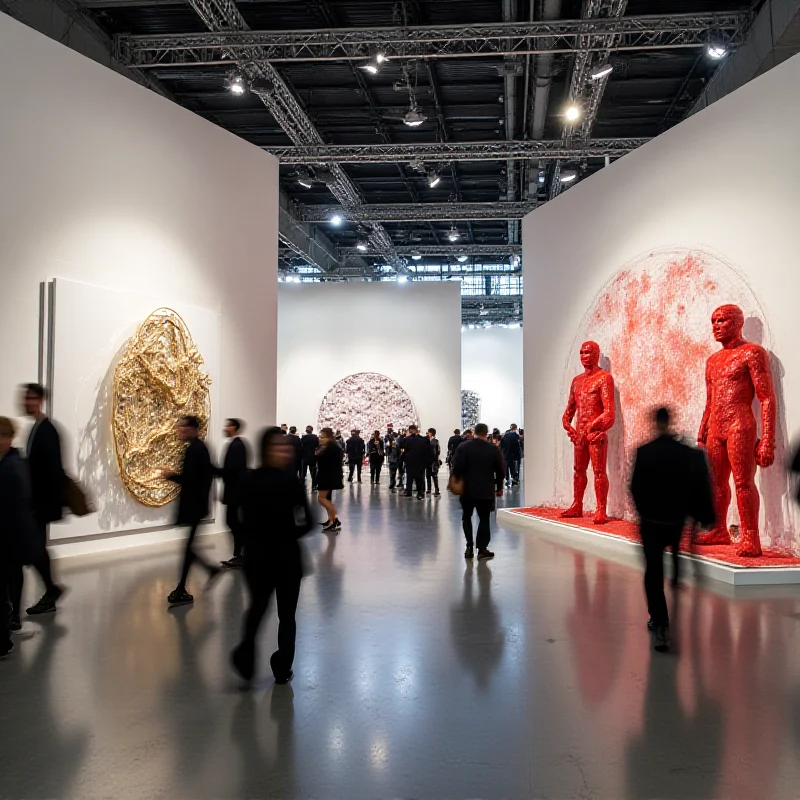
(511, 445)
(417, 456)
(297, 452)
(195, 481)
(232, 472)
(670, 484)
(48, 489)
(309, 444)
(479, 465)
(355, 449)
(453, 443)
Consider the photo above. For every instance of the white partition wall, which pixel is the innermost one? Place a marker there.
(637, 257)
(491, 366)
(112, 188)
(410, 332)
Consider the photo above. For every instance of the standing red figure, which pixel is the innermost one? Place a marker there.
(734, 376)
(591, 403)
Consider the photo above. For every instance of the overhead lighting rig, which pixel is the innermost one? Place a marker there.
(236, 83)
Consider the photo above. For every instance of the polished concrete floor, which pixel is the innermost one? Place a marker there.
(417, 676)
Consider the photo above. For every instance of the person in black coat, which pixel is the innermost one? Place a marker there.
(232, 472)
(193, 503)
(670, 484)
(417, 456)
(511, 445)
(297, 451)
(48, 489)
(276, 515)
(432, 470)
(376, 451)
(453, 444)
(329, 478)
(18, 536)
(479, 466)
(309, 444)
(356, 450)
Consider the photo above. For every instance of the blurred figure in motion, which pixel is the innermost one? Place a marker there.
(329, 478)
(17, 532)
(309, 444)
(48, 490)
(377, 454)
(232, 472)
(453, 444)
(276, 515)
(195, 480)
(670, 484)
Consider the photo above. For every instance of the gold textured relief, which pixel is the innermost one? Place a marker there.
(159, 378)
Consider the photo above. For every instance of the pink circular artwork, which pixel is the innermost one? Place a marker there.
(368, 402)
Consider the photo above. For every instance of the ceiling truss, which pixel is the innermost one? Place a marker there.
(418, 212)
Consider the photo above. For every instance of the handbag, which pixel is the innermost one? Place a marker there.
(456, 485)
(75, 498)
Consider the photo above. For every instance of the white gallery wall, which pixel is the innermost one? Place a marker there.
(110, 186)
(409, 332)
(637, 257)
(491, 366)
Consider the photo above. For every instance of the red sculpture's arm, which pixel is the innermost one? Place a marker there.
(605, 420)
(758, 363)
(702, 434)
(569, 412)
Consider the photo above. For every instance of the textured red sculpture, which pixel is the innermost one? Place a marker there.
(591, 405)
(734, 376)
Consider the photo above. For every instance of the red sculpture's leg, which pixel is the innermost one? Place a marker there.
(579, 480)
(741, 453)
(599, 454)
(720, 484)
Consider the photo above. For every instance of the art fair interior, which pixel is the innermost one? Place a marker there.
(448, 348)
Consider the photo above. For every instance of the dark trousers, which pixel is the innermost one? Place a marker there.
(6, 578)
(392, 476)
(419, 479)
(261, 585)
(310, 466)
(40, 561)
(233, 519)
(656, 537)
(375, 471)
(484, 509)
(191, 555)
(512, 470)
(432, 477)
(355, 465)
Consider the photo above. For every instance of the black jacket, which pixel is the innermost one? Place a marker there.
(376, 450)
(355, 449)
(297, 447)
(417, 453)
(18, 539)
(48, 483)
(670, 483)
(511, 445)
(195, 482)
(309, 443)
(329, 467)
(233, 470)
(480, 465)
(453, 443)
(275, 515)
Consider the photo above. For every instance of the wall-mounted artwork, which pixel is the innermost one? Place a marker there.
(470, 409)
(160, 376)
(368, 402)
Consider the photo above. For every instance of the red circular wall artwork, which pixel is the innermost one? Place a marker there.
(368, 402)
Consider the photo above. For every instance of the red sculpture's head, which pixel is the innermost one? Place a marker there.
(727, 323)
(590, 354)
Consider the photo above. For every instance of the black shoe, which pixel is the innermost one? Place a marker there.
(661, 639)
(337, 525)
(281, 676)
(7, 650)
(243, 661)
(437, 494)
(469, 552)
(45, 606)
(484, 553)
(349, 480)
(329, 527)
(428, 492)
(180, 597)
(284, 679)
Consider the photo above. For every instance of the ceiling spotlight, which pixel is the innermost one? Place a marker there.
(236, 83)
(304, 178)
(416, 256)
(572, 112)
(414, 118)
(601, 71)
(716, 50)
(371, 68)
(453, 235)
(568, 176)
(402, 279)
(362, 246)
(336, 220)
(433, 178)
(380, 58)
(462, 258)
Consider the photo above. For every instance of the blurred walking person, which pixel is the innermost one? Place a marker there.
(432, 470)
(356, 450)
(670, 484)
(232, 472)
(309, 444)
(296, 464)
(329, 478)
(453, 443)
(276, 515)
(478, 474)
(195, 480)
(376, 452)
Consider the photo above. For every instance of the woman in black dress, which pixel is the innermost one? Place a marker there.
(329, 478)
(376, 453)
(275, 515)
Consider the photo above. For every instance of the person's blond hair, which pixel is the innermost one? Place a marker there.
(7, 427)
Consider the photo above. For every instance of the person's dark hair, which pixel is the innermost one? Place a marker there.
(662, 417)
(268, 438)
(35, 389)
(481, 429)
(309, 429)
(7, 427)
(469, 430)
(456, 432)
(376, 433)
(327, 432)
(413, 427)
(293, 429)
(432, 430)
(234, 423)
(190, 421)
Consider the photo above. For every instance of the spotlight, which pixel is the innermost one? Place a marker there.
(572, 113)
(336, 220)
(414, 118)
(416, 256)
(371, 68)
(304, 178)
(601, 71)
(362, 246)
(568, 176)
(453, 235)
(236, 83)
(402, 279)
(433, 178)
(716, 50)
(380, 58)
(462, 258)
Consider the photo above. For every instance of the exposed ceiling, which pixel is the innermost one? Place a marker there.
(491, 78)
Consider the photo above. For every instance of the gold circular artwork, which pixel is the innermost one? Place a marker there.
(159, 378)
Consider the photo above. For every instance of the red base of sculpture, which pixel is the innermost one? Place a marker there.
(723, 553)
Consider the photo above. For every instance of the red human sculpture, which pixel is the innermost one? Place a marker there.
(591, 404)
(734, 376)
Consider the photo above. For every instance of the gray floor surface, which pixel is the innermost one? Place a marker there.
(418, 675)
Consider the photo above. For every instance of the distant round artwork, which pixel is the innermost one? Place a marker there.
(159, 377)
(368, 402)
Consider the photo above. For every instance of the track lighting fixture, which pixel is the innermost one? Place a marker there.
(568, 175)
(414, 118)
(462, 258)
(304, 178)
(434, 178)
(453, 235)
(236, 83)
(362, 246)
(601, 71)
